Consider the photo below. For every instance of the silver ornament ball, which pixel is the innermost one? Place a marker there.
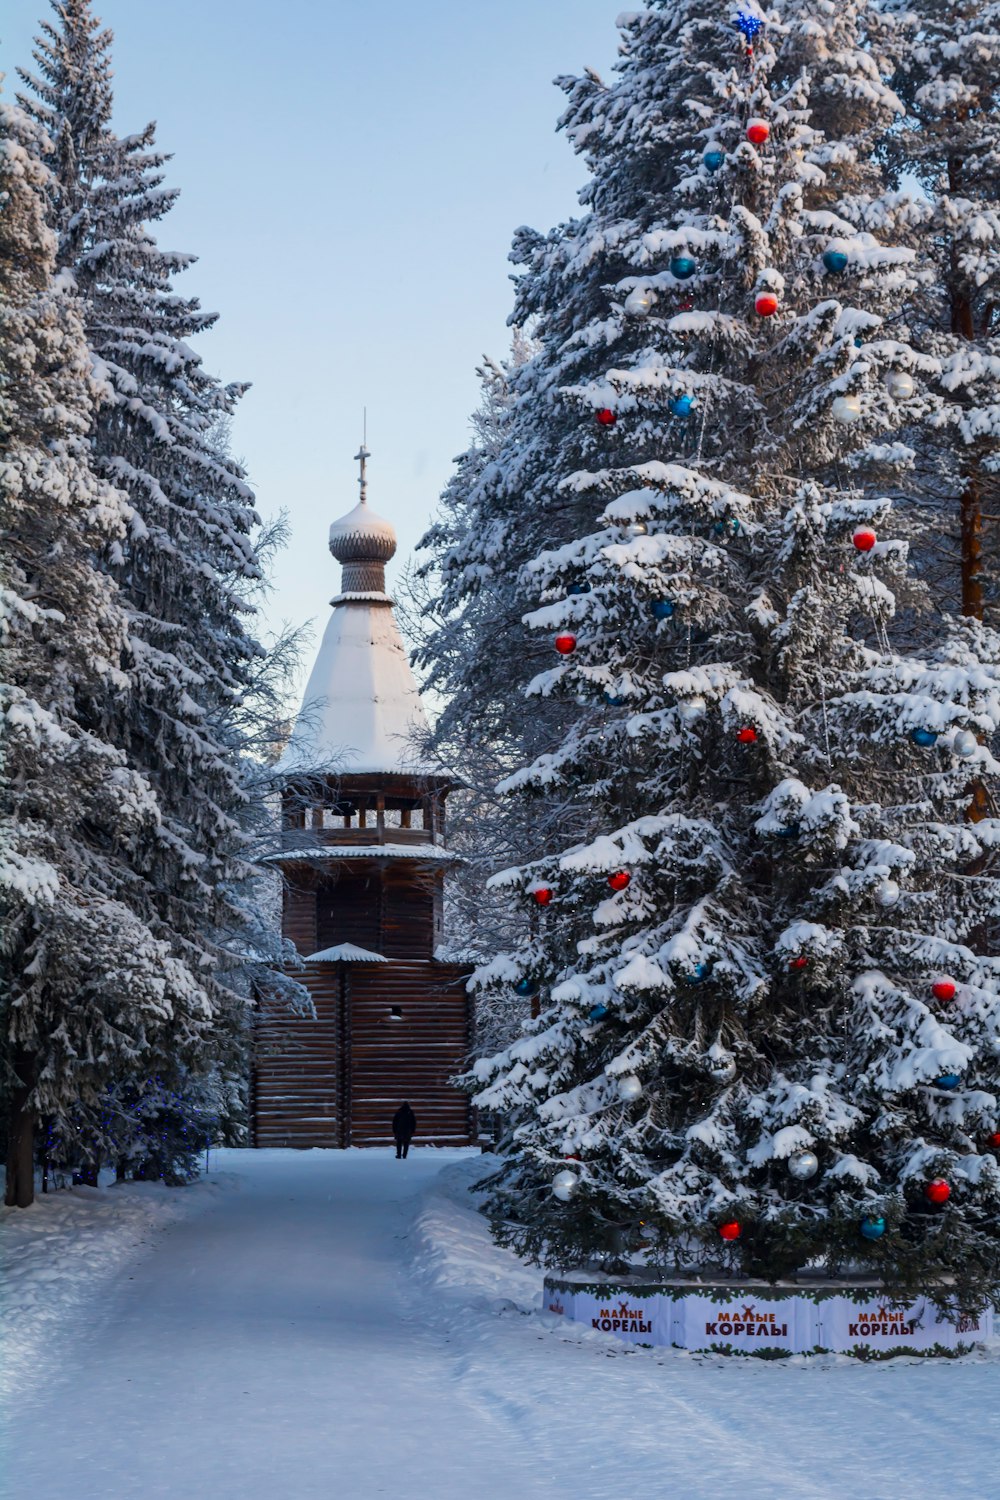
(887, 893)
(629, 1088)
(564, 1185)
(803, 1165)
(899, 385)
(692, 708)
(846, 409)
(965, 743)
(639, 302)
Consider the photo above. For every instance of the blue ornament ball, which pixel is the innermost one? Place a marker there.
(923, 737)
(835, 261)
(662, 609)
(681, 405)
(614, 700)
(598, 1013)
(730, 526)
(872, 1229)
(525, 987)
(713, 160)
(579, 588)
(947, 1081)
(791, 832)
(683, 266)
(697, 974)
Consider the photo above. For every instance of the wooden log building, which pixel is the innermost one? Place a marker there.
(364, 863)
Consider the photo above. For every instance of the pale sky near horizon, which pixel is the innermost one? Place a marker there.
(350, 179)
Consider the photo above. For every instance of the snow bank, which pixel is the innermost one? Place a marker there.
(63, 1254)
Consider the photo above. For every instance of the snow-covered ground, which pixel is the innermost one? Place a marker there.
(339, 1324)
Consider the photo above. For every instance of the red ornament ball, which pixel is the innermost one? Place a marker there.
(565, 644)
(731, 1231)
(747, 735)
(944, 989)
(994, 1139)
(606, 417)
(937, 1191)
(798, 963)
(864, 539)
(766, 305)
(619, 880)
(758, 132)
(542, 895)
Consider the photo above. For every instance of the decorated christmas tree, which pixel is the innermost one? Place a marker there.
(768, 1027)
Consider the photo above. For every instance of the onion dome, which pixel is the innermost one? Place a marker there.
(362, 543)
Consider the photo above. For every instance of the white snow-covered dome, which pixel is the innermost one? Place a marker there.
(361, 711)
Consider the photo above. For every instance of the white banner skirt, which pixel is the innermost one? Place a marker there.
(759, 1319)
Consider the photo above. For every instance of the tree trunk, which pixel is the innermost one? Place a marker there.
(21, 1138)
(971, 501)
(972, 543)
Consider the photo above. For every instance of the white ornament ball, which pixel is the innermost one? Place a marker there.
(803, 1165)
(692, 708)
(847, 409)
(629, 1087)
(637, 528)
(564, 1185)
(887, 893)
(639, 303)
(899, 385)
(965, 743)
(723, 1069)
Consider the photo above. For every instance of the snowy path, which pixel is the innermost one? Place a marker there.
(261, 1352)
(315, 1331)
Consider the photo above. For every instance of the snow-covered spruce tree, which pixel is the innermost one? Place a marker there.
(188, 563)
(948, 76)
(764, 1036)
(87, 986)
(500, 508)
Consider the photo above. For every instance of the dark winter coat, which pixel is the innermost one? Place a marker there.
(404, 1123)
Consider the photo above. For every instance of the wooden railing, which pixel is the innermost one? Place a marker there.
(311, 838)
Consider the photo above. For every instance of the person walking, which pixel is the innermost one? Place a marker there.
(404, 1128)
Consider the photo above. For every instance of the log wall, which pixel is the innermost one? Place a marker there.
(411, 1055)
(350, 911)
(298, 1074)
(383, 1033)
(298, 919)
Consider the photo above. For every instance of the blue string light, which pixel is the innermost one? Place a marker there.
(749, 25)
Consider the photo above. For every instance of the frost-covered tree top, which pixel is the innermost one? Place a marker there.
(736, 966)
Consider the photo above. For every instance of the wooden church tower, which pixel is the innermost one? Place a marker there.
(364, 860)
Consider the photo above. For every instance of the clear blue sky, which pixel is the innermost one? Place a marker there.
(351, 175)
